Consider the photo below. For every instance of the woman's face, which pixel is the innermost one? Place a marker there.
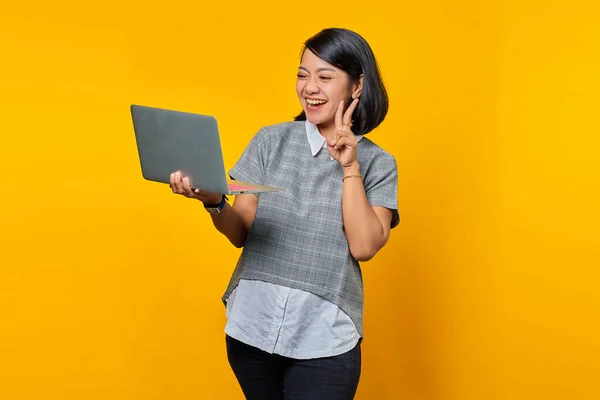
(321, 87)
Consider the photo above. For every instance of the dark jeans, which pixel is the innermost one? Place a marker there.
(264, 376)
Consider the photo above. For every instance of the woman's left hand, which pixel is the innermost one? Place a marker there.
(342, 147)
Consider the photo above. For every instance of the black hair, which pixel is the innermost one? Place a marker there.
(351, 53)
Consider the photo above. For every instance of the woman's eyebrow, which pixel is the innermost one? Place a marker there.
(319, 70)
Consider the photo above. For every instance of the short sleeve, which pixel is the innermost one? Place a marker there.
(381, 186)
(252, 164)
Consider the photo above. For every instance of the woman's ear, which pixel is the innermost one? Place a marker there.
(357, 88)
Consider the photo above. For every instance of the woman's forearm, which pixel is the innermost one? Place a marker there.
(363, 228)
(234, 221)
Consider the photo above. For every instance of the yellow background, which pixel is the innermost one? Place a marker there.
(489, 289)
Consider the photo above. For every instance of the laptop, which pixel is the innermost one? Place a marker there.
(170, 141)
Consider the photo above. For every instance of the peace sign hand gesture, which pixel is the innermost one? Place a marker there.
(343, 145)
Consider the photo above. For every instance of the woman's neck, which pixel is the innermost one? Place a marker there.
(327, 130)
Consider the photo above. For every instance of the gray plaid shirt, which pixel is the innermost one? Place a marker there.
(297, 238)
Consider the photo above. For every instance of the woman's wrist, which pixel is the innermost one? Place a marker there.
(352, 169)
(216, 208)
(213, 202)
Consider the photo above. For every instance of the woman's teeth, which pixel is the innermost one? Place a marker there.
(315, 102)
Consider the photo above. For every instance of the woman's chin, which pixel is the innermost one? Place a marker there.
(313, 119)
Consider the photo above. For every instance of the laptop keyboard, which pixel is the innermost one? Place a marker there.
(233, 186)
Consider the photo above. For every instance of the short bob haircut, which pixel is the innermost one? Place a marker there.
(351, 53)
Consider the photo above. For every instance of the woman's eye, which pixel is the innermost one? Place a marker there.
(301, 76)
(325, 78)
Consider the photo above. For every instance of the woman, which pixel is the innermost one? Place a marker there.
(295, 300)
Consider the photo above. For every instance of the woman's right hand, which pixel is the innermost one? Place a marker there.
(181, 185)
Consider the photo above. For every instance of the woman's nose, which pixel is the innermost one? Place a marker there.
(311, 87)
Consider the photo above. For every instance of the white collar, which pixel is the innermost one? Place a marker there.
(316, 140)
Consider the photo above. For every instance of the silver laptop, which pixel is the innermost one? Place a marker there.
(170, 141)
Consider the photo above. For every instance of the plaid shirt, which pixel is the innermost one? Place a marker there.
(297, 238)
